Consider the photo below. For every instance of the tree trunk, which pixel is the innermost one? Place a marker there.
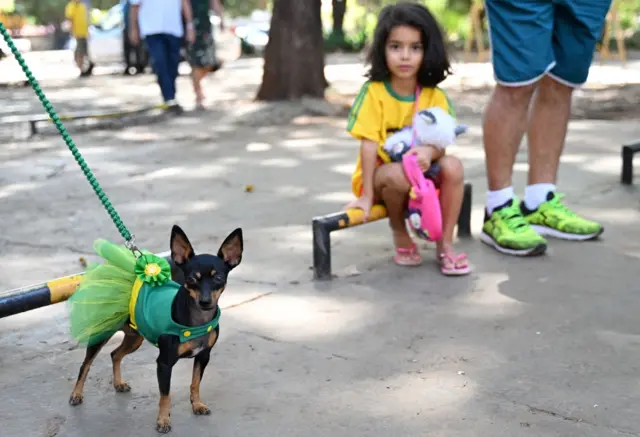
(294, 56)
(339, 9)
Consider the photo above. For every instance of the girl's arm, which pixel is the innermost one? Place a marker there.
(427, 155)
(368, 156)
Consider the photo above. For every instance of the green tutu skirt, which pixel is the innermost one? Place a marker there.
(100, 305)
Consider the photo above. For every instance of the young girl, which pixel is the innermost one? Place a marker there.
(408, 57)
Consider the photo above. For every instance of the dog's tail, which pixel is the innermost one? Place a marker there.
(100, 305)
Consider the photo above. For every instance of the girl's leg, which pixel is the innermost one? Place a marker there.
(451, 182)
(392, 187)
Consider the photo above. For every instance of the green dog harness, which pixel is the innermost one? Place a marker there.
(150, 313)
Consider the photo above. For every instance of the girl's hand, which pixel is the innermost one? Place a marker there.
(364, 203)
(425, 156)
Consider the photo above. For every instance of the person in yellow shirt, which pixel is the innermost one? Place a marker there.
(78, 14)
(408, 60)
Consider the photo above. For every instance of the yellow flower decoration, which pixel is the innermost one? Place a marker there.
(153, 269)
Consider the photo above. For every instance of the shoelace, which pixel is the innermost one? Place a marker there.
(558, 206)
(513, 218)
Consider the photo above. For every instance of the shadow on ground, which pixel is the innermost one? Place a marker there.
(194, 171)
(522, 348)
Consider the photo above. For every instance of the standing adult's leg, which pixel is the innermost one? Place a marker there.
(198, 73)
(576, 30)
(521, 33)
(80, 53)
(549, 117)
(173, 61)
(156, 45)
(127, 49)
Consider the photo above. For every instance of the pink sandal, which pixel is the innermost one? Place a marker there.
(454, 265)
(407, 256)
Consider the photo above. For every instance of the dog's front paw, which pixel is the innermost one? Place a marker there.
(122, 387)
(200, 409)
(163, 425)
(75, 399)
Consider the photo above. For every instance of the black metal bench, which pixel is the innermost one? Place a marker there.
(323, 226)
(627, 162)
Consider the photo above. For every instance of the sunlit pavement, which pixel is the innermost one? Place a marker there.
(522, 347)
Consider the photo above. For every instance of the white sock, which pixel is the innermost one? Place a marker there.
(536, 194)
(498, 198)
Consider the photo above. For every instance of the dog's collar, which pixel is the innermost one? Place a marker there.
(190, 332)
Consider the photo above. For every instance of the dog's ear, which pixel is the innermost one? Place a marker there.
(181, 249)
(231, 249)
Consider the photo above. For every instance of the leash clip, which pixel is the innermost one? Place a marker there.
(131, 245)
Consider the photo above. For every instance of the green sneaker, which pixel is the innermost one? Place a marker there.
(554, 219)
(508, 232)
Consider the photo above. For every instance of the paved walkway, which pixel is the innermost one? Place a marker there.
(523, 347)
(239, 80)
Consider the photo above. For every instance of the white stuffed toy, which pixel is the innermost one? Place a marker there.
(433, 126)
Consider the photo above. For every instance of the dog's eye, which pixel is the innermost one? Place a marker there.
(191, 280)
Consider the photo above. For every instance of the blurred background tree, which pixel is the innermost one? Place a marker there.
(294, 56)
(243, 8)
(42, 11)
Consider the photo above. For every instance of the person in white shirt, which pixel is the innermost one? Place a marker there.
(159, 23)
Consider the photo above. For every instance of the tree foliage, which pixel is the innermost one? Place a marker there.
(50, 11)
(44, 11)
(243, 8)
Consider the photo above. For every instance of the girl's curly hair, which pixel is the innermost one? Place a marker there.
(435, 64)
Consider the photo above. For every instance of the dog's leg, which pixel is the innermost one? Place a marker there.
(163, 424)
(77, 393)
(169, 352)
(199, 364)
(130, 343)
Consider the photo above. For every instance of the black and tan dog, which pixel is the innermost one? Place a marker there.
(195, 304)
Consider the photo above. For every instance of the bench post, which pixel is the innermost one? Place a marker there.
(321, 250)
(33, 129)
(627, 162)
(323, 226)
(464, 219)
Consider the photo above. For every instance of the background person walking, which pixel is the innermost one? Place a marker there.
(202, 53)
(159, 24)
(77, 13)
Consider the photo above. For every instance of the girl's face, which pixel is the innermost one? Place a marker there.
(404, 52)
